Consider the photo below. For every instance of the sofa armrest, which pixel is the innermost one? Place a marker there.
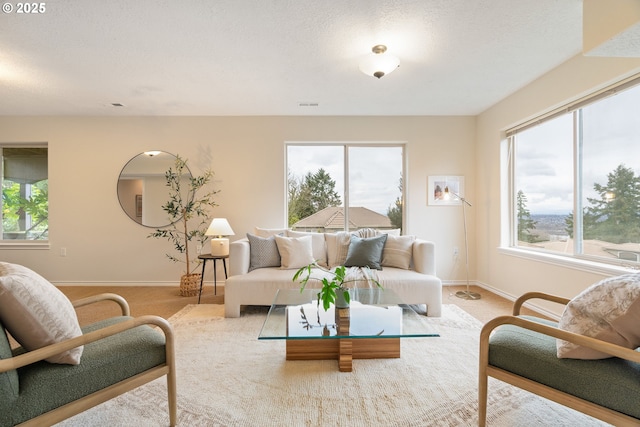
(424, 257)
(239, 257)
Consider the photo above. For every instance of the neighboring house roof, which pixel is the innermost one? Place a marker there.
(332, 218)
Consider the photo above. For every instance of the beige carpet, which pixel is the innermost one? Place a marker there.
(226, 377)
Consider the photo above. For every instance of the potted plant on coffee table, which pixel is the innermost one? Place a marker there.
(333, 290)
(188, 210)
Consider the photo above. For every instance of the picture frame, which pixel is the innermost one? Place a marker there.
(441, 189)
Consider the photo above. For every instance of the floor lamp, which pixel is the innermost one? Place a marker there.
(465, 294)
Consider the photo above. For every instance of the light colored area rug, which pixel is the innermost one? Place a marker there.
(226, 377)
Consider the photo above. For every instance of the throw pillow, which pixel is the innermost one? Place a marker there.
(608, 310)
(264, 252)
(398, 251)
(372, 232)
(295, 252)
(366, 252)
(36, 313)
(317, 245)
(268, 232)
(337, 248)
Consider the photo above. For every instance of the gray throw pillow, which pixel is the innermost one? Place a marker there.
(264, 252)
(366, 252)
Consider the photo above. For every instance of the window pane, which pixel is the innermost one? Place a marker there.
(375, 187)
(543, 184)
(611, 177)
(315, 185)
(25, 193)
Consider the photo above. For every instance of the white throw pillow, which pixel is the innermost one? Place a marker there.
(295, 252)
(608, 310)
(337, 247)
(317, 245)
(36, 313)
(398, 251)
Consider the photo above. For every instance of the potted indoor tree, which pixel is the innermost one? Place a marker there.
(333, 290)
(188, 212)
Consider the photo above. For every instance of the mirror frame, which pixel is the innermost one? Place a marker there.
(141, 187)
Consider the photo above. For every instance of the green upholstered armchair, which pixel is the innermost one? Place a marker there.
(120, 354)
(521, 350)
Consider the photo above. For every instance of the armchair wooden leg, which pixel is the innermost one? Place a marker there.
(482, 397)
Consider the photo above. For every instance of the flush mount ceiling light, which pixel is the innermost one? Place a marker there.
(379, 63)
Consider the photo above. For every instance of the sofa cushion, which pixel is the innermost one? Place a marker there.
(337, 248)
(295, 252)
(318, 245)
(365, 252)
(398, 251)
(608, 310)
(36, 313)
(268, 232)
(264, 252)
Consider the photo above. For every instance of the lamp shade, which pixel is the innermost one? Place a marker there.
(379, 63)
(219, 227)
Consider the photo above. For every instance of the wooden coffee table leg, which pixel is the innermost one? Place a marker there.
(345, 359)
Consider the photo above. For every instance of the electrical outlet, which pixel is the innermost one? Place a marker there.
(63, 251)
(455, 251)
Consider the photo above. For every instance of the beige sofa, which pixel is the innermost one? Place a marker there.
(408, 268)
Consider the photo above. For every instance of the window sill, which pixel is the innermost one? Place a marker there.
(6, 244)
(568, 262)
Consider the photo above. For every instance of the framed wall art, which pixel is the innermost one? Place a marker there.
(443, 190)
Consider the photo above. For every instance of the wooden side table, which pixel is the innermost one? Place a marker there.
(205, 258)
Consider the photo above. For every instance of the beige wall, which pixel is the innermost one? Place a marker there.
(506, 273)
(86, 155)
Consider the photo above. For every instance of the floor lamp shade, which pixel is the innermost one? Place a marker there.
(219, 229)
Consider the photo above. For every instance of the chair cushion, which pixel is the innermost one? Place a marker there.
(36, 313)
(8, 380)
(608, 310)
(45, 386)
(613, 383)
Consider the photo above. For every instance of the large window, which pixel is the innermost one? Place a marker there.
(25, 193)
(576, 179)
(324, 178)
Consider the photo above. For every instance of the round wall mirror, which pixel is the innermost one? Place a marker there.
(142, 189)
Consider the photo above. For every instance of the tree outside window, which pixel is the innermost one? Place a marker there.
(25, 193)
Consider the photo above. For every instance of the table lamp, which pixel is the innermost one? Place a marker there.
(219, 244)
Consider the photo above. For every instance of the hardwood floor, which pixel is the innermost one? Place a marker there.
(165, 301)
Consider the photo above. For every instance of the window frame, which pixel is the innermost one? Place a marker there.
(345, 195)
(577, 259)
(11, 244)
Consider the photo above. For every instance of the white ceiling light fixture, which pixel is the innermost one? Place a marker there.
(379, 63)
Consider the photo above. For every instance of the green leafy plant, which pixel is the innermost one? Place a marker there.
(330, 285)
(188, 211)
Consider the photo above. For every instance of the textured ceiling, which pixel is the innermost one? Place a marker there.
(266, 57)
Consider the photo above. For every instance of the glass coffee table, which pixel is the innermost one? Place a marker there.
(370, 328)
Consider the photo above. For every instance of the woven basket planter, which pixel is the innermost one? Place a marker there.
(190, 284)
